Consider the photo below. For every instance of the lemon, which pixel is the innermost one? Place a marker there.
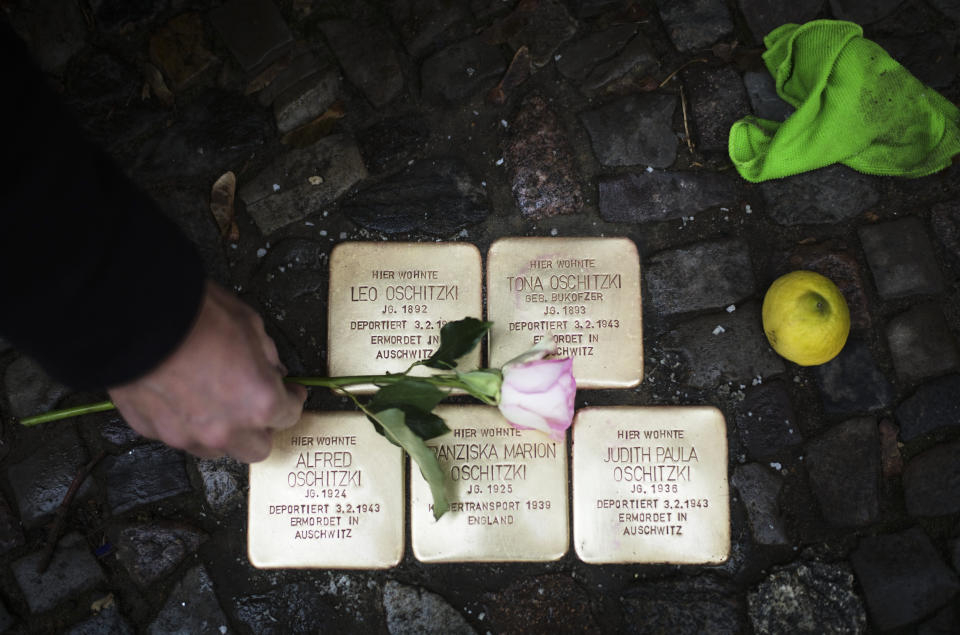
(805, 318)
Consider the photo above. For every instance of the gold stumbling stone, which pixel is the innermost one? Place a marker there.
(388, 302)
(583, 293)
(507, 490)
(330, 495)
(650, 485)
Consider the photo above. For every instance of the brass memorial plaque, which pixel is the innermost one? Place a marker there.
(584, 293)
(388, 302)
(650, 485)
(329, 495)
(507, 490)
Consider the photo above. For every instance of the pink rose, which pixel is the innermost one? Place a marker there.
(539, 395)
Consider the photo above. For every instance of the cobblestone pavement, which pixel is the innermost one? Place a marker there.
(469, 121)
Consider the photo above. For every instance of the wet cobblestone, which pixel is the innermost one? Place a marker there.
(901, 258)
(717, 99)
(41, 480)
(759, 488)
(654, 195)
(695, 24)
(192, 607)
(411, 610)
(438, 197)
(808, 598)
(108, 621)
(72, 570)
(709, 275)
(828, 195)
(11, 534)
(767, 422)
(921, 343)
(427, 120)
(539, 157)
(143, 475)
(647, 139)
(150, 552)
(224, 482)
(706, 605)
(844, 469)
(736, 354)
(852, 382)
(284, 192)
(29, 389)
(931, 407)
(930, 482)
(292, 608)
(903, 577)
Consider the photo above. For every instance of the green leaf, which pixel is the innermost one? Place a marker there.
(408, 392)
(395, 427)
(425, 425)
(416, 398)
(456, 340)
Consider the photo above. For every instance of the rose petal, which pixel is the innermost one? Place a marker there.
(539, 395)
(538, 375)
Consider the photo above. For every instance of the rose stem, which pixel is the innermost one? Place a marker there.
(446, 381)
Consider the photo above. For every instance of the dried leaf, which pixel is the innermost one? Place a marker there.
(266, 77)
(725, 50)
(158, 86)
(649, 84)
(221, 205)
(179, 48)
(103, 603)
(698, 60)
(686, 120)
(309, 133)
(518, 72)
(891, 459)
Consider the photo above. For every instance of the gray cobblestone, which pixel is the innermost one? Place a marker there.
(902, 576)
(695, 24)
(739, 353)
(42, 479)
(922, 343)
(844, 469)
(654, 195)
(901, 258)
(634, 130)
(72, 570)
(708, 275)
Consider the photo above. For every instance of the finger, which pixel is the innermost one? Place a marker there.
(134, 416)
(204, 452)
(298, 392)
(267, 345)
(251, 446)
(291, 407)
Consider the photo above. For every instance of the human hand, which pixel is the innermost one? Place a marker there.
(222, 389)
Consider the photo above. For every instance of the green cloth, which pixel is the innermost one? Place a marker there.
(855, 105)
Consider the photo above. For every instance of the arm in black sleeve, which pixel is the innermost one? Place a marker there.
(95, 283)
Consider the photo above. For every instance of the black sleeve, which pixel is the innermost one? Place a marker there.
(95, 283)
